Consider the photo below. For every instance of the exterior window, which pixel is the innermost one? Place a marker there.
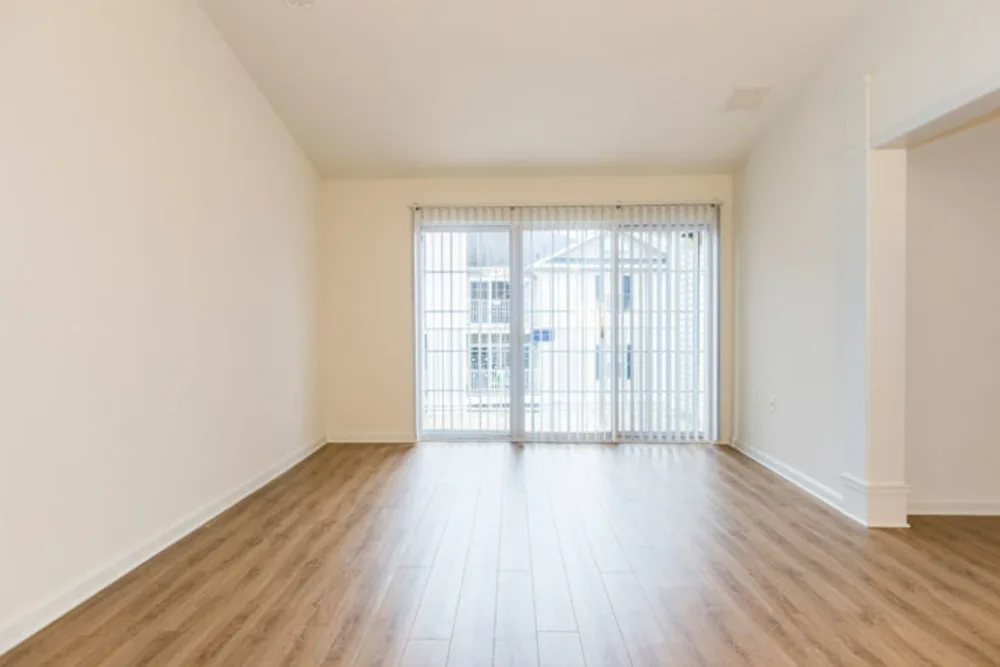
(530, 369)
(628, 362)
(489, 302)
(477, 358)
(626, 292)
(597, 362)
(489, 362)
(479, 297)
(500, 307)
(598, 287)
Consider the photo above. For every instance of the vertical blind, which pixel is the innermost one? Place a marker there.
(581, 323)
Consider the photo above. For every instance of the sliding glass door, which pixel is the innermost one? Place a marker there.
(566, 323)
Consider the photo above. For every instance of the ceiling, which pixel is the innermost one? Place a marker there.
(453, 87)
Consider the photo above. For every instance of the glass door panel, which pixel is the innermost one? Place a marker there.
(465, 315)
(567, 339)
(663, 326)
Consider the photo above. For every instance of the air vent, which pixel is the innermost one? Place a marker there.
(298, 4)
(748, 99)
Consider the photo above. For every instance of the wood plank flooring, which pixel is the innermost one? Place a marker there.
(542, 556)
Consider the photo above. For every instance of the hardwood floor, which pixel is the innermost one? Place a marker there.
(542, 556)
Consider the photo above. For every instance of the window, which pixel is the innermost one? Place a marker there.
(628, 362)
(479, 295)
(626, 293)
(598, 287)
(531, 359)
(489, 302)
(500, 308)
(489, 362)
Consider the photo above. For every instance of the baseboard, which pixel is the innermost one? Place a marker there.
(398, 438)
(811, 486)
(855, 499)
(884, 503)
(44, 613)
(955, 507)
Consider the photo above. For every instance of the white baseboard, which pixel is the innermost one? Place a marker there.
(879, 504)
(955, 507)
(398, 438)
(811, 486)
(855, 502)
(45, 612)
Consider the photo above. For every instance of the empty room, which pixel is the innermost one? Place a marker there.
(468, 333)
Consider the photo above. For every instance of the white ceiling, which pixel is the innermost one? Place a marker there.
(409, 87)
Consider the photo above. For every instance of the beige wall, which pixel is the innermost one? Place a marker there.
(368, 259)
(158, 292)
(953, 321)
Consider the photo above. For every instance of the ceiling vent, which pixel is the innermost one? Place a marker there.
(300, 3)
(748, 99)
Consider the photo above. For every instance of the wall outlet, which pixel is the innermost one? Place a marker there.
(772, 403)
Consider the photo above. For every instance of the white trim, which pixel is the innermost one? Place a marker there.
(515, 239)
(418, 324)
(811, 486)
(954, 507)
(614, 327)
(388, 438)
(713, 357)
(884, 503)
(45, 612)
(895, 135)
(855, 495)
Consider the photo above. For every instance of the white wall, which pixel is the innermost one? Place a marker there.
(158, 291)
(953, 322)
(790, 302)
(810, 202)
(928, 57)
(368, 257)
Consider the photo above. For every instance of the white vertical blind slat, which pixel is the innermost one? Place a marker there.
(575, 355)
(651, 343)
